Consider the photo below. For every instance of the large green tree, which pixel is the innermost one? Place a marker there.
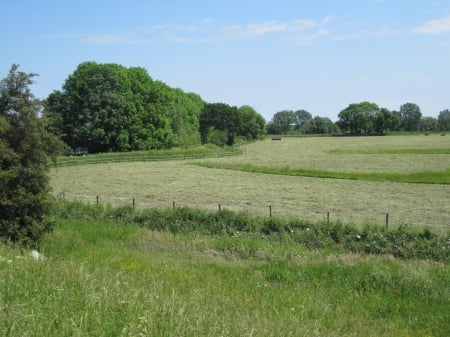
(24, 146)
(358, 118)
(108, 107)
(282, 122)
(251, 124)
(219, 123)
(384, 120)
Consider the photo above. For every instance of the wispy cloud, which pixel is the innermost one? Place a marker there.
(381, 33)
(255, 30)
(111, 39)
(434, 27)
(208, 31)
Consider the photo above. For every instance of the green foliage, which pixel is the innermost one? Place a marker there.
(107, 107)
(410, 115)
(282, 122)
(444, 120)
(320, 125)
(24, 146)
(358, 118)
(221, 123)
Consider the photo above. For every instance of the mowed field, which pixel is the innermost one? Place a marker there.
(159, 184)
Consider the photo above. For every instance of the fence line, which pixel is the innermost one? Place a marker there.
(376, 217)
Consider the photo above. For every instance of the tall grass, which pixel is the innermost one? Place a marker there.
(402, 242)
(112, 277)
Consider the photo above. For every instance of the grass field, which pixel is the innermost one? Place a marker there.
(123, 272)
(105, 278)
(158, 184)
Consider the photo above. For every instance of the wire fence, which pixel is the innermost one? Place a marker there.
(369, 216)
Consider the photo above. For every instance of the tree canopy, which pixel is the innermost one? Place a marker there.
(410, 115)
(221, 123)
(366, 118)
(107, 107)
(444, 120)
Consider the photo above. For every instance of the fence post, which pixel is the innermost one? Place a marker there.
(270, 210)
(134, 204)
(173, 205)
(219, 207)
(64, 196)
(96, 199)
(328, 217)
(387, 220)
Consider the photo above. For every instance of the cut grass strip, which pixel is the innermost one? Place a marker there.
(155, 155)
(391, 151)
(432, 177)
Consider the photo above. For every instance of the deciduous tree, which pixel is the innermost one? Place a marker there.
(410, 116)
(444, 120)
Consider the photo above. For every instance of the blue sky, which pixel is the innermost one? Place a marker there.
(272, 55)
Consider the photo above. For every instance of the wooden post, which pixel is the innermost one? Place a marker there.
(64, 197)
(173, 205)
(270, 210)
(134, 203)
(328, 217)
(97, 197)
(387, 220)
(219, 207)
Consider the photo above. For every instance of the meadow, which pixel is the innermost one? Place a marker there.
(196, 271)
(359, 201)
(111, 277)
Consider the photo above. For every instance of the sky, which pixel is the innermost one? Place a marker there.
(319, 56)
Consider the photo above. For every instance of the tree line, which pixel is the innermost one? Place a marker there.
(108, 107)
(358, 119)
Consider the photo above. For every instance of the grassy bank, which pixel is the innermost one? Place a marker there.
(118, 278)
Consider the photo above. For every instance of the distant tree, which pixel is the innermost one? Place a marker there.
(358, 118)
(219, 119)
(282, 122)
(444, 120)
(24, 146)
(410, 116)
(301, 117)
(251, 124)
(428, 124)
(320, 125)
(385, 120)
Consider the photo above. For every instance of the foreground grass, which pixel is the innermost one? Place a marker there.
(113, 278)
(433, 177)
